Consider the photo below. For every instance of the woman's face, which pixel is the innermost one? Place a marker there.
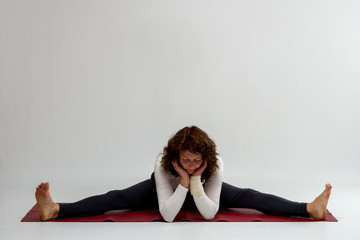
(190, 161)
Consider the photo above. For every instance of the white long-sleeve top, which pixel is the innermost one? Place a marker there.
(171, 194)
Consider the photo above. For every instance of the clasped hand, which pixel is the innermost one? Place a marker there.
(185, 177)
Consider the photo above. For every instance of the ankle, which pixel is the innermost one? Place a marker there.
(309, 209)
(56, 210)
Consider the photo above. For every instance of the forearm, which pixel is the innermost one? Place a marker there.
(207, 207)
(171, 207)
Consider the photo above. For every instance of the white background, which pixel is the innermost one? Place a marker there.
(90, 92)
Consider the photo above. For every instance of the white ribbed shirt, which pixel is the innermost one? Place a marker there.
(171, 194)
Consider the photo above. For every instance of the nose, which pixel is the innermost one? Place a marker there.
(193, 164)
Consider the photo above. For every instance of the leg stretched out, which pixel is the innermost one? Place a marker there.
(143, 195)
(233, 197)
(140, 196)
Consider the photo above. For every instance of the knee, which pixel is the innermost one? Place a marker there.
(245, 194)
(115, 194)
(250, 193)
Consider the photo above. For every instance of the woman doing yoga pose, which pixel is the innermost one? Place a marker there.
(187, 175)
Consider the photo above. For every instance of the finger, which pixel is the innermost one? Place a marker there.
(201, 169)
(176, 165)
(205, 163)
(204, 166)
(178, 169)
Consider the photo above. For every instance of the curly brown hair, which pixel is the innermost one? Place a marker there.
(194, 140)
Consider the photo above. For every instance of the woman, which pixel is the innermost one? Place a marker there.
(188, 162)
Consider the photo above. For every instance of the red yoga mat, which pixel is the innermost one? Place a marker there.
(230, 215)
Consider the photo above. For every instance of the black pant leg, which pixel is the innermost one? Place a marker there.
(234, 197)
(140, 196)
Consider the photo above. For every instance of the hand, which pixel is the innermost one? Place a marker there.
(185, 178)
(201, 169)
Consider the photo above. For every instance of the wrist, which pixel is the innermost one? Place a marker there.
(185, 183)
(196, 187)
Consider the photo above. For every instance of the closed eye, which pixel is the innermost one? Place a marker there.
(195, 161)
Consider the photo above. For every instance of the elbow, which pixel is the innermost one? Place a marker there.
(209, 217)
(166, 216)
(168, 219)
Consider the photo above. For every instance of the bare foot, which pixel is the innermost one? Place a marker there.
(317, 208)
(48, 209)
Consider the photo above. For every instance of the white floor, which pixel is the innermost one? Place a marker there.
(17, 200)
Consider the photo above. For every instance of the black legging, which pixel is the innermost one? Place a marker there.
(143, 196)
